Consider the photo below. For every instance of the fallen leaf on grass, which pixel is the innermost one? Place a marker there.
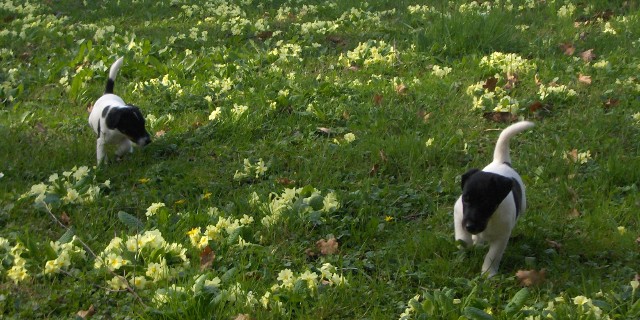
(401, 89)
(264, 35)
(584, 79)
(285, 181)
(377, 99)
(568, 48)
(530, 278)
(85, 314)
(345, 115)
(383, 156)
(587, 56)
(638, 241)
(325, 131)
(424, 115)
(327, 247)
(206, 258)
(512, 79)
(160, 133)
(490, 84)
(374, 170)
(242, 316)
(554, 244)
(504, 117)
(535, 106)
(610, 103)
(574, 213)
(65, 219)
(89, 107)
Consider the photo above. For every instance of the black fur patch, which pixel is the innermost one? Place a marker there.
(110, 85)
(105, 111)
(517, 195)
(129, 121)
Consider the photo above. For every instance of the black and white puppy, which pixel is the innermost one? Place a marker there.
(116, 122)
(492, 200)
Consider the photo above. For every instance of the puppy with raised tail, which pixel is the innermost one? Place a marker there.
(492, 200)
(116, 122)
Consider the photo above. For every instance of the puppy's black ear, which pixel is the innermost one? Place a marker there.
(113, 118)
(466, 176)
(502, 186)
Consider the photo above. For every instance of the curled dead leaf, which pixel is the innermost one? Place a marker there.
(588, 55)
(535, 106)
(377, 99)
(207, 256)
(89, 107)
(528, 278)
(584, 79)
(324, 131)
(401, 89)
(65, 219)
(490, 84)
(383, 155)
(512, 79)
(264, 35)
(567, 48)
(86, 314)
(610, 103)
(574, 213)
(554, 244)
(285, 181)
(327, 247)
(374, 169)
(502, 117)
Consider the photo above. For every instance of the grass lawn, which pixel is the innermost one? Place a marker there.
(306, 157)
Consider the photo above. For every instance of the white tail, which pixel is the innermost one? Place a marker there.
(113, 72)
(501, 153)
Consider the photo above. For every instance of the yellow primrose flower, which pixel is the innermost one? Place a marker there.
(622, 230)
(581, 300)
(349, 137)
(429, 142)
(388, 218)
(181, 201)
(287, 278)
(139, 282)
(206, 195)
(17, 274)
(143, 180)
(153, 209)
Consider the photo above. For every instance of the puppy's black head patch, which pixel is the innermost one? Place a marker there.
(130, 122)
(482, 192)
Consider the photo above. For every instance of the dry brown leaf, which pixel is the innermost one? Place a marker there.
(638, 241)
(285, 181)
(568, 48)
(264, 35)
(587, 56)
(512, 79)
(537, 80)
(353, 68)
(89, 107)
(65, 219)
(327, 247)
(374, 169)
(345, 115)
(610, 103)
(584, 79)
(490, 84)
(325, 131)
(160, 133)
(242, 316)
(310, 252)
(530, 278)
(503, 117)
(401, 89)
(86, 314)
(535, 106)
(383, 156)
(377, 99)
(206, 258)
(554, 244)
(574, 213)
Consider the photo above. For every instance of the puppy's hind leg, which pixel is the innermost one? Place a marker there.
(100, 154)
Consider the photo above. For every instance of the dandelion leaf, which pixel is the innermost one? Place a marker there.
(67, 236)
(518, 300)
(130, 221)
(476, 314)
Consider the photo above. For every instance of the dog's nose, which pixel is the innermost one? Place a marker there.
(472, 228)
